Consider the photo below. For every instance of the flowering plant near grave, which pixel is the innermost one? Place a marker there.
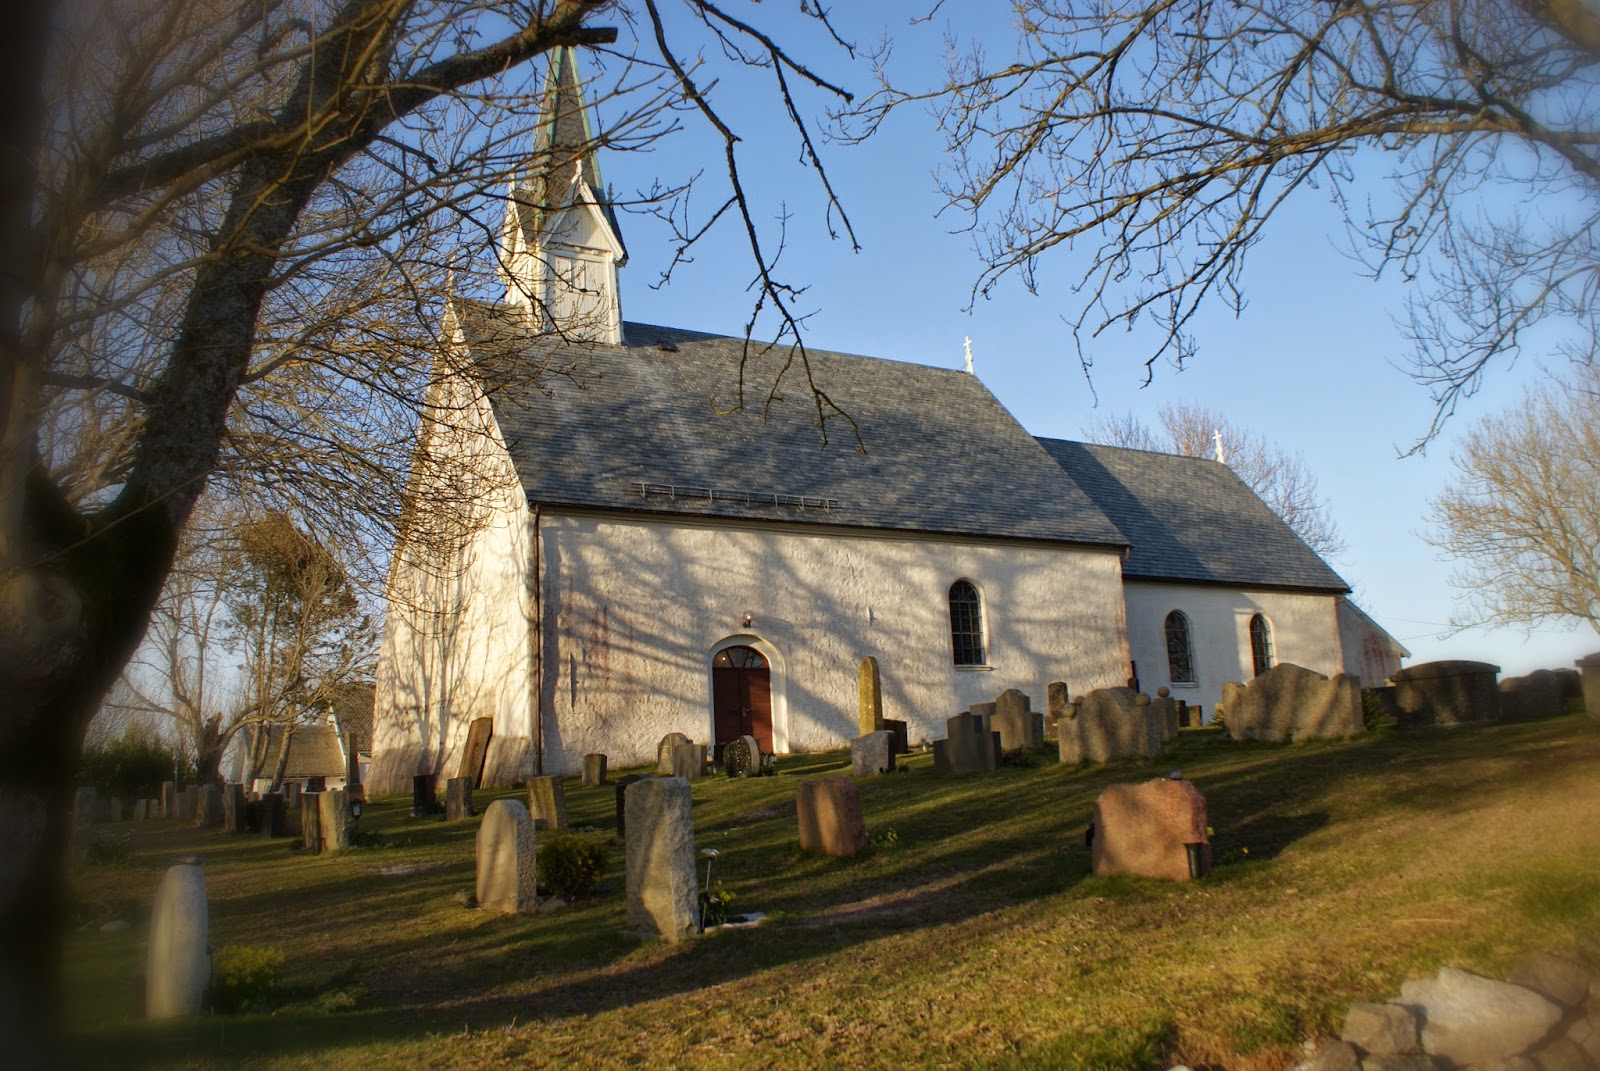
(714, 901)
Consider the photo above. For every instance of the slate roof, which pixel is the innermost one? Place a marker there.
(1192, 519)
(645, 427)
(313, 752)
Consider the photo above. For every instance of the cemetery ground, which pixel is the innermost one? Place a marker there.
(971, 934)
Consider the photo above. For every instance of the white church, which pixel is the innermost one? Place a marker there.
(630, 559)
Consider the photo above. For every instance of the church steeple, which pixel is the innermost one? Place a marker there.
(561, 247)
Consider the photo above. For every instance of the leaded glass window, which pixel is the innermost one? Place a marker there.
(1180, 652)
(966, 624)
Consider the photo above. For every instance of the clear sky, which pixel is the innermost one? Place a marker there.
(1313, 364)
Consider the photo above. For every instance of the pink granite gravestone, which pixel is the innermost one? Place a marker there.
(1145, 830)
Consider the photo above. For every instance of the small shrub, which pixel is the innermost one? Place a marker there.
(108, 847)
(1372, 711)
(570, 864)
(244, 978)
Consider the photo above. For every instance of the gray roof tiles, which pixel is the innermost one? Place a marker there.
(937, 454)
(1192, 519)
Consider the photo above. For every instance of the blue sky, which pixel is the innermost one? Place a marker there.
(1312, 363)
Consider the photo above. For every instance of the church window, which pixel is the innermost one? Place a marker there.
(1180, 652)
(1260, 644)
(966, 624)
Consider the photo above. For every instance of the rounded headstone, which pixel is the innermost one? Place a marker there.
(178, 967)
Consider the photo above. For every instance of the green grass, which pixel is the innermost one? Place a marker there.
(976, 939)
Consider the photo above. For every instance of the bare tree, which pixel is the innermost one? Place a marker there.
(220, 227)
(1522, 516)
(1162, 137)
(1283, 481)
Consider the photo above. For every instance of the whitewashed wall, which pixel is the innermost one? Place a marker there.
(1305, 631)
(457, 630)
(636, 609)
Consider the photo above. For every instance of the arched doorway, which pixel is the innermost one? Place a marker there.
(741, 696)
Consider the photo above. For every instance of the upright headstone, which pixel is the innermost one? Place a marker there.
(178, 966)
(1056, 700)
(334, 819)
(872, 753)
(1146, 830)
(189, 802)
(594, 769)
(871, 698)
(829, 815)
(1289, 702)
(141, 810)
(424, 800)
(622, 793)
(83, 808)
(662, 896)
(1166, 711)
(311, 822)
(352, 766)
(900, 736)
(664, 751)
(1019, 728)
(209, 813)
(689, 761)
(1106, 724)
(1589, 672)
(477, 751)
(233, 808)
(272, 814)
(507, 859)
(968, 746)
(547, 803)
(116, 808)
(458, 799)
(1446, 693)
(742, 757)
(169, 799)
(291, 794)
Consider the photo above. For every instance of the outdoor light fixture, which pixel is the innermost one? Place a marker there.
(355, 808)
(749, 619)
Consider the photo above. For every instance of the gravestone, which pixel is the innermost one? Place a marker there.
(291, 794)
(477, 751)
(669, 743)
(141, 810)
(169, 799)
(829, 815)
(233, 808)
(662, 896)
(901, 738)
(547, 803)
(311, 822)
(622, 790)
(272, 809)
(1288, 702)
(872, 753)
(209, 814)
(594, 769)
(178, 964)
(189, 802)
(1534, 695)
(871, 696)
(84, 803)
(458, 799)
(1145, 830)
(1445, 693)
(689, 761)
(116, 808)
(968, 747)
(1589, 674)
(985, 711)
(1106, 724)
(1056, 700)
(1186, 718)
(507, 859)
(319, 783)
(1165, 709)
(1019, 727)
(334, 819)
(352, 767)
(742, 757)
(424, 795)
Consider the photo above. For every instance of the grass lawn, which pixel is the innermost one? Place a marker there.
(974, 937)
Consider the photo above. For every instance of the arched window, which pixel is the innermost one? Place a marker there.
(1260, 644)
(1180, 653)
(966, 624)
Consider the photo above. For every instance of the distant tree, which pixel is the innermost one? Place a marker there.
(1282, 480)
(1159, 140)
(1522, 515)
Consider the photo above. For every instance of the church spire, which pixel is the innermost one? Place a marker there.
(561, 247)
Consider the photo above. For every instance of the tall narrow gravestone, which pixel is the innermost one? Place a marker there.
(169, 799)
(334, 820)
(547, 802)
(662, 897)
(178, 966)
(209, 815)
(871, 704)
(311, 822)
(506, 856)
(477, 752)
(458, 799)
(233, 808)
(594, 769)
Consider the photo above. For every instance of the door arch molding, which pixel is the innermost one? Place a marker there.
(779, 680)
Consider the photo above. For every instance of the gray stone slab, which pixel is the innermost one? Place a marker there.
(507, 854)
(547, 803)
(594, 769)
(663, 899)
(872, 753)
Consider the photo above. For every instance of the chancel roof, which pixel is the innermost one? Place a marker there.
(1192, 519)
(651, 426)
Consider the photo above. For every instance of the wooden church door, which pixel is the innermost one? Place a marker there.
(741, 696)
